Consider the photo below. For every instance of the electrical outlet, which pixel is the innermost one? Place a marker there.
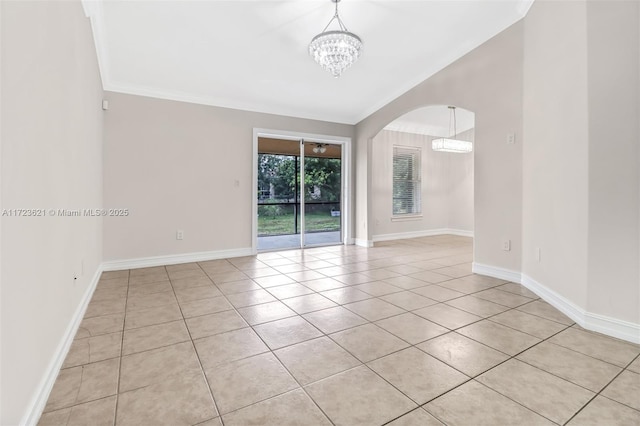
(506, 245)
(179, 234)
(511, 138)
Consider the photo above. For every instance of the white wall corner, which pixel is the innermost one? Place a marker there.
(41, 394)
(174, 259)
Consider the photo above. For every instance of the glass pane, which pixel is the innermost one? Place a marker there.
(322, 194)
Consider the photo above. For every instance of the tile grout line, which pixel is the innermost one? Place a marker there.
(124, 321)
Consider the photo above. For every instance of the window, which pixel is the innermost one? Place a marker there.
(406, 181)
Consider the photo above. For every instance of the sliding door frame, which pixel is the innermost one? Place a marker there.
(345, 196)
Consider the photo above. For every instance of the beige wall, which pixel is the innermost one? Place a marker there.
(51, 158)
(488, 82)
(614, 140)
(175, 166)
(447, 186)
(555, 174)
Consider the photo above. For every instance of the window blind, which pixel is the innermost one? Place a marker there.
(406, 180)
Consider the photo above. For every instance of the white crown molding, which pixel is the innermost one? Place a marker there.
(41, 395)
(174, 259)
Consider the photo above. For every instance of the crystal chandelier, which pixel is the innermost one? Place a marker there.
(335, 50)
(451, 144)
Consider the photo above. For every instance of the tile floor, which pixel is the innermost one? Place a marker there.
(399, 334)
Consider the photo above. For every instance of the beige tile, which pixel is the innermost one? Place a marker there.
(333, 271)
(227, 347)
(93, 349)
(381, 274)
(419, 376)
(417, 417)
(250, 298)
(368, 342)
(109, 275)
(438, 293)
(212, 422)
(208, 325)
(181, 399)
(96, 326)
(135, 280)
(157, 365)
(406, 282)
(462, 353)
(227, 276)
(597, 346)
(475, 404)
(234, 287)
(430, 277)
(345, 295)
(544, 393)
(374, 309)
(277, 411)
(467, 285)
(603, 411)
(517, 289)
(308, 303)
(197, 293)
(154, 336)
(235, 386)
(359, 397)
(145, 301)
(527, 323)
(502, 297)
(188, 273)
(86, 383)
(101, 412)
(102, 293)
(205, 306)
(113, 283)
(570, 365)
(545, 310)
(183, 267)
(305, 275)
(408, 300)
(625, 389)
(447, 316)
(192, 282)
(334, 319)
(152, 316)
(289, 290)
(285, 332)
(499, 337)
(635, 366)
(265, 312)
(105, 307)
(377, 288)
(453, 271)
(273, 280)
(353, 279)
(152, 270)
(476, 306)
(157, 287)
(324, 284)
(411, 328)
(315, 359)
(291, 268)
(260, 272)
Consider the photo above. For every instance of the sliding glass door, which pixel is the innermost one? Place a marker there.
(299, 193)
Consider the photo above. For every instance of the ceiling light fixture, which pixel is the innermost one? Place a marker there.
(451, 144)
(335, 50)
(320, 148)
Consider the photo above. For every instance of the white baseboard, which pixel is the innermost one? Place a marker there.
(421, 233)
(363, 243)
(613, 327)
(45, 386)
(495, 272)
(174, 259)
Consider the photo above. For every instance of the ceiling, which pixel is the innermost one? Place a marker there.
(433, 121)
(252, 55)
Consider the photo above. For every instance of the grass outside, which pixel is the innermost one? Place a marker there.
(283, 224)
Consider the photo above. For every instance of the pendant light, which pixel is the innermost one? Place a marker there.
(452, 144)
